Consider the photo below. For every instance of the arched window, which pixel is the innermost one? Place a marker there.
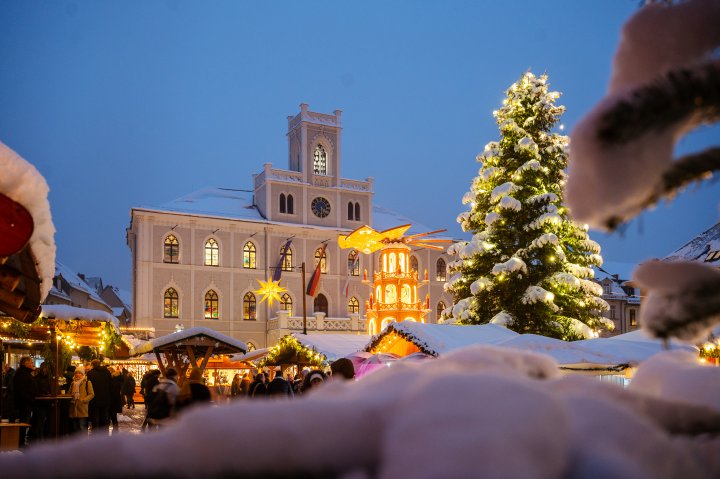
(286, 303)
(212, 253)
(390, 294)
(353, 305)
(212, 310)
(440, 270)
(290, 205)
(283, 206)
(249, 256)
(440, 308)
(391, 263)
(350, 211)
(413, 263)
(357, 211)
(170, 303)
(320, 161)
(249, 304)
(171, 249)
(321, 257)
(406, 294)
(287, 264)
(354, 263)
(250, 346)
(320, 305)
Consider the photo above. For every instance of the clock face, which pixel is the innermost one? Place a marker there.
(320, 207)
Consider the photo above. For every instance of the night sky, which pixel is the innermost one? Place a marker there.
(135, 103)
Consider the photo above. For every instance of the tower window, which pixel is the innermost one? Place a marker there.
(171, 249)
(249, 304)
(320, 161)
(357, 211)
(212, 253)
(249, 256)
(283, 206)
(290, 205)
(350, 211)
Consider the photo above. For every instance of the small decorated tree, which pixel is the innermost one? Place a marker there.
(528, 266)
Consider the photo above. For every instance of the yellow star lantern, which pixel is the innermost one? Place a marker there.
(270, 290)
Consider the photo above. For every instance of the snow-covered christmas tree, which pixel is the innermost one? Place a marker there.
(528, 266)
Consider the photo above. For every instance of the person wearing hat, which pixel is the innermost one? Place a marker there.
(81, 392)
(313, 379)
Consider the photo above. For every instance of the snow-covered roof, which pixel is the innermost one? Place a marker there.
(63, 311)
(22, 183)
(610, 268)
(333, 346)
(75, 281)
(699, 248)
(567, 354)
(628, 350)
(124, 295)
(189, 333)
(437, 339)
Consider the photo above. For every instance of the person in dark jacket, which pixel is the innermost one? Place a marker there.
(194, 391)
(279, 387)
(41, 409)
(257, 387)
(101, 380)
(8, 392)
(25, 392)
(128, 390)
(116, 398)
(149, 380)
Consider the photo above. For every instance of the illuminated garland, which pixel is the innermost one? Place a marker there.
(289, 346)
(421, 345)
(710, 350)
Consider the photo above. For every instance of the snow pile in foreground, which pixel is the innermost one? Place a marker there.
(477, 412)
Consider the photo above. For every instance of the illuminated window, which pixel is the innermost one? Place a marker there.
(212, 253)
(249, 304)
(390, 294)
(440, 308)
(413, 263)
(287, 264)
(249, 256)
(406, 294)
(171, 249)
(320, 305)
(391, 263)
(290, 204)
(211, 305)
(357, 211)
(440, 270)
(321, 257)
(283, 204)
(353, 305)
(633, 319)
(354, 263)
(170, 304)
(320, 161)
(250, 346)
(286, 303)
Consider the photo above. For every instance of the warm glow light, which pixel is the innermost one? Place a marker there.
(270, 290)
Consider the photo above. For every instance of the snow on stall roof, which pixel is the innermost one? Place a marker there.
(442, 338)
(564, 352)
(253, 355)
(63, 311)
(21, 182)
(629, 351)
(334, 346)
(189, 333)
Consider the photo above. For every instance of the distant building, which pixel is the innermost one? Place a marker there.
(196, 261)
(624, 302)
(704, 248)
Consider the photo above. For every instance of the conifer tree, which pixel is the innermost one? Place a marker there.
(528, 266)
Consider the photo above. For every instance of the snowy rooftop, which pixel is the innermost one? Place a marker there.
(124, 295)
(171, 338)
(75, 280)
(333, 346)
(63, 311)
(22, 183)
(699, 248)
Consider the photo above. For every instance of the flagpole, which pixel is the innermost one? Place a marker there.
(304, 300)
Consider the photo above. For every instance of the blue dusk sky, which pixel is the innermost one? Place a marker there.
(135, 103)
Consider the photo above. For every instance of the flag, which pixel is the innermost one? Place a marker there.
(315, 278)
(351, 268)
(278, 268)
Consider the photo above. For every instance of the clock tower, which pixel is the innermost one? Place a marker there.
(312, 191)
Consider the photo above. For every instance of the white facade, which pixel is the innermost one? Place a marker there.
(309, 203)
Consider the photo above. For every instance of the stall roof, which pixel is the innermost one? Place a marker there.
(437, 339)
(565, 353)
(333, 346)
(65, 312)
(632, 348)
(224, 344)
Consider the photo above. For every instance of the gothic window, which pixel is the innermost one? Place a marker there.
(249, 256)
(440, 270)
(249, 304)
(357, 211)
(320, 305)
(212, 253)
(353, 305)
(283, 205)
(321, 257)
(211, 305)
(320, 160)
(286, 303)
(171, 249)
(170, 303)
(354, 263)
(440, 308)
(350, 211)
(287, 263)
(250, 346)
(290, 205)
(413, 263)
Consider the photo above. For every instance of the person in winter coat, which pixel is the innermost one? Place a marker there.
(257, 387)
(101, 380)
(41, 409)
(116, 398)
(82, 393)
(167, 390)
(25, 391)
(149, 380)
(236, 387)
(194, 391)
(128, 390)
(279, 387)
